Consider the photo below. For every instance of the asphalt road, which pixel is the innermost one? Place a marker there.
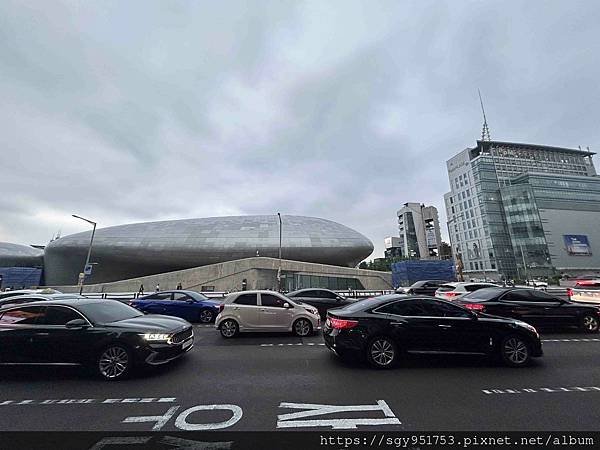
(264, 379)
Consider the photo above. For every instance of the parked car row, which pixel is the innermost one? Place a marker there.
(112, 337)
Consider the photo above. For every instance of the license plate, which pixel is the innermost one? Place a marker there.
(186, 344)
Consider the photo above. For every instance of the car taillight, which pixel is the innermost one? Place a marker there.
(451, 295)
(221, 307)
(569, 292)
(474, 306)
(585, 283)
(342, 324)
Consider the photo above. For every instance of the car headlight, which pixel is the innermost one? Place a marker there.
(156, 337)
(527, 326)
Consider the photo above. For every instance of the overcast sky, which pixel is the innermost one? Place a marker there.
(130, 111)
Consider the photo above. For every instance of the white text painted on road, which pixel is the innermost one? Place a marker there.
(541, 390)
(311, 410)
(183, 423)
(86, 401)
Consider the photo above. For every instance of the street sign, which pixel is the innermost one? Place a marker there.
(87, 269)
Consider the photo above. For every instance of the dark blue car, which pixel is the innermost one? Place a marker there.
(188, 305)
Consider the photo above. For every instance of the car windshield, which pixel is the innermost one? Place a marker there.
(108, 311)
(446, 287)
(484, 294)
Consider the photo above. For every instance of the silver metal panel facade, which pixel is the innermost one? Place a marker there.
(134, 250)
(15, 255)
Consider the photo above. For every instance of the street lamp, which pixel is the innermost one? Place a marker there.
(87, 260)
(279, 270)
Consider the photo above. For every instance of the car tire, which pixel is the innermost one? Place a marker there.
(114, 362)
(590, 323)
(302, 327)
(206, 316)
(382, 352)
(515, 351)
(229, 328)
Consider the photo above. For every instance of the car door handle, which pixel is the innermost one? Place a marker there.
(42, 334)
(445, 326)
(396, 323)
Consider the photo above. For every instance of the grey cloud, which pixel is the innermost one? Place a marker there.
(161, 110)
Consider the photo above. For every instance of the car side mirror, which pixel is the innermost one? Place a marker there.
(286, 305)
(190, 301)
(76, 323)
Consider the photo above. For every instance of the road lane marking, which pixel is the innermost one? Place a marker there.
(289, 420)
(572, 340)
(86, 401)
(292, 345)
(541, 390)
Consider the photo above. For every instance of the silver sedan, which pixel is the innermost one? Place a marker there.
(264, 311)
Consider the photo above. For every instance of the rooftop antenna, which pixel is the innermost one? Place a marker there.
(485, 131)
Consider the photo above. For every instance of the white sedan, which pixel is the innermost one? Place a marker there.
(452, 291)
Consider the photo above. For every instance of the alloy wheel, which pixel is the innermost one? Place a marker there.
(516, 351)
(302, 327)
(382, 352)
(206, 316)
(113, 362)
(590, 324)
(228, 328)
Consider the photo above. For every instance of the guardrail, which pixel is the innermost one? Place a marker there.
(222, 294)
(365, 293)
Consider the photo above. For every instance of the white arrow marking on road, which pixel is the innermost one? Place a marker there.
(288, 420)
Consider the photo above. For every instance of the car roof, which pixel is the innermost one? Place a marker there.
(56, 299)
(311, 289)
(256, 291)
(375, 302)
(172, 291)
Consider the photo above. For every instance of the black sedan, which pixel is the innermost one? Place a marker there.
(535, 307)
(322, 299)
(423, 287)
(106, 335)
(383, 328)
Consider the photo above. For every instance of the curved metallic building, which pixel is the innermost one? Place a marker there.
(139, 249)
(15, 255)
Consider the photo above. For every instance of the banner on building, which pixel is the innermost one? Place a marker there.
(577, 245)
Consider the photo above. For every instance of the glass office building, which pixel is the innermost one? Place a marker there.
(513, 208)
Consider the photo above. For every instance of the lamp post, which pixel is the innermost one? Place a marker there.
(87, 260)
(279, 270)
